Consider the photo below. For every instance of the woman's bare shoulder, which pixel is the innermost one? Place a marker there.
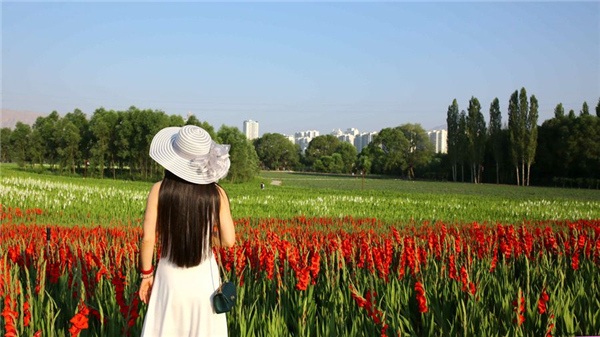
(222, 191)
(155, 189)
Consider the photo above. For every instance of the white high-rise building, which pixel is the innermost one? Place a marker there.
(348, 138)
(336, 132)
(251, 129)
(291, 138)
(352, 131)
(363, 140)
(439, 140)
(303, 138)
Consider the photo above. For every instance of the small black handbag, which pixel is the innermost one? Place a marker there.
(224, 299)
(225, 296)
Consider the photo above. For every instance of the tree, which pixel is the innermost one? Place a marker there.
(38, 143)
(476, 135)
(531, 134)
(67, 139)
(79, 119)
(559, 111)
(123, 135)
(387, 151)
(5, 144)
(101, 127)
(19, 142)
(244, 160)
(585, 110)
(586, 132)
(330, 164)
(452, 121)
(598, 108)
(524, 112)
(572, 114)
(318, 166)
(419, 150)
(347, 153)
(516, 128)
(495, 133)
(363, 164)
(522, 125)
(176, 120)
(36, 148)
(320, 146)
(44, 138)
(276, 151)
(569, 150)
(157, 121)
(462, 142)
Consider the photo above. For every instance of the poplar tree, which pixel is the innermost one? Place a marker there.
(516, 132)
(598, 108)
(476, 133)
(452, 139)
(524, 112)
(531, 133)
(585, 110)
(462, 142)
(495, 132)
(559, 111)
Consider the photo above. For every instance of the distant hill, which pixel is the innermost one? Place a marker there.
(11, 117)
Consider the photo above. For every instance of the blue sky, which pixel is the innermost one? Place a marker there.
(298, 66)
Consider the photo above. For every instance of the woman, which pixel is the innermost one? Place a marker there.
(190, 213)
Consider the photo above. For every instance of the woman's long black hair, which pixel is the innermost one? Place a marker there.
(187, 213)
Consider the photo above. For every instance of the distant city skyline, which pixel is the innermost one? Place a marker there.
(289, 65)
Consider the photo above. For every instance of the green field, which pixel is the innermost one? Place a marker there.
(393, 201)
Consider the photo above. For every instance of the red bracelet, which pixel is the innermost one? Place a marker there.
(146, 272)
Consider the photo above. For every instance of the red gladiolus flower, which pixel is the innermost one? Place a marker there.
(9, 317)
(575, 261)
(542, 302)
(550, 327)
(26, 313)
(79, 321)
(303, 279)
(452, 268)
(519, 305)
(464, 278)
(421, 297)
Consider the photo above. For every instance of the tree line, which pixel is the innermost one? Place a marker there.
(397, 151)
(564, 150)
(111, 142)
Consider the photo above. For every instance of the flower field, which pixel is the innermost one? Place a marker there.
(75, 272)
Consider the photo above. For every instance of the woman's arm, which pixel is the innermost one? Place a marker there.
(148, 241)
(149, 236)
(227, 229)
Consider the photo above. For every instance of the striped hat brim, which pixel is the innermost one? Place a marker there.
(162, 150)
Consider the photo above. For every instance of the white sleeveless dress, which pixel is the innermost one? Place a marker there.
(181, 301)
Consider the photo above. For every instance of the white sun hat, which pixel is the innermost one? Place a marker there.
(190, 153)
